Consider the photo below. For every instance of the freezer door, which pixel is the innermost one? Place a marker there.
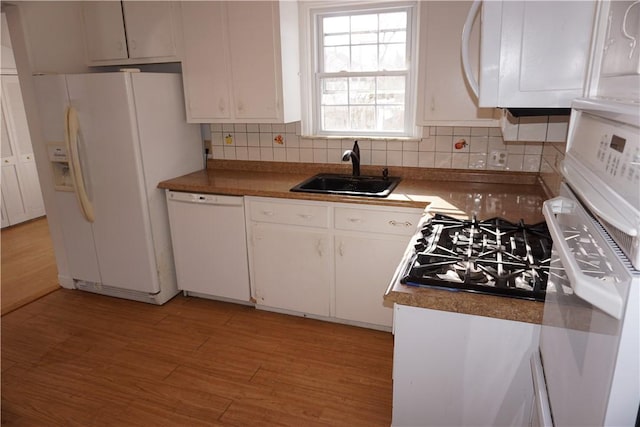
(114, 179)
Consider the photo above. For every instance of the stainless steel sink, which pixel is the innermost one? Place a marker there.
(369, 186)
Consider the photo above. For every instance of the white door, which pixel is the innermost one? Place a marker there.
(291, 268)
(104, 30)
(20, 185)
(110, 149)
(150, 28)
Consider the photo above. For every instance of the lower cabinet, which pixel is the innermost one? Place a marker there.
(453, 369)
(326, 259)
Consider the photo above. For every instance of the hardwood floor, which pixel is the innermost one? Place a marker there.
(28, 264)
(76, 358)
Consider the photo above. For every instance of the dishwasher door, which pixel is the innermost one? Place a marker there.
(209, 244)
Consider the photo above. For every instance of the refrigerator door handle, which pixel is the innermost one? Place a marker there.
(72, 127)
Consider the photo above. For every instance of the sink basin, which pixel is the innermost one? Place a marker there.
(369, 186)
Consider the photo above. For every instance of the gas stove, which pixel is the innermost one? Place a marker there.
(493, 256)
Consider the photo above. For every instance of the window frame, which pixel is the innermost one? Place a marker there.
(316, 72)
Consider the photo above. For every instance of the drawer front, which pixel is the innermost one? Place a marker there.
(290, 214)
(390, 222)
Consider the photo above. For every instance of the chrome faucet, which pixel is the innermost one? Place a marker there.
(354, 156)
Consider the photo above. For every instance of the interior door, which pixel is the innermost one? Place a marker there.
(110, 149)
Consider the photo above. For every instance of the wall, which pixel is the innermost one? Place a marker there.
(436, 149)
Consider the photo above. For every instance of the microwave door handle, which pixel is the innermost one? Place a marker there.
(598, 293)
(72, 127)
(466, 39)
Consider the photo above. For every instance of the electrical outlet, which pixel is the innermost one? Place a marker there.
(498, 158)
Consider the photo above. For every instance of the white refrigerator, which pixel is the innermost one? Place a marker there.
(111, 138)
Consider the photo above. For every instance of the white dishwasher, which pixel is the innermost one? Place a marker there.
(209, 244)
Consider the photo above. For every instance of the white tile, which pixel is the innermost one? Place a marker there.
(476, 131)
(378, 157)
(409, 158)
(394, 145)
(306, 143)
(410, 145)
(495, 132)
(216, 127)
(253, 139)
(279, 154)
(432, 131)
(298, 128)
(334, 155)
(229, 152)
(293, 154)
(462, 131)
(319, 155)
(217, 152)
(426, 159)
(463, 143)
(444, 144)
(509, 127)
(515, 147)
(240, 127)
(532, 128)
(265, 127)
(242, 153)
(266, 153)
(557, 128)
(427, 144)
(319, 143)
(227, 127)
(496, 143)
(278, 128)
(290, 127)
(216, 139)
(477, 160)
(365, 157)
(292, 140)
(334, 144)
(460, 161)
(367, 143)
(240, 139)
(442, 160)
(515, 162)
(253, 127)
(533, 148)
(444, 130)
(394, 158)
(266, 139)
(531, 163)
(478, 144)
(306, 155)
(254, 153)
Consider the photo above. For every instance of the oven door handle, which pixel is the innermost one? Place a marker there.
(598, 293)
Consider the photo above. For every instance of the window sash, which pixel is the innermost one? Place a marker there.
(408, 72)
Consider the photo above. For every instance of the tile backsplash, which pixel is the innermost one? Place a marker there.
(443, 147)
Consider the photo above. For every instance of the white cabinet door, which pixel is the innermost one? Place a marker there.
(150, 28)
(291, 268)
(253, 54)
(20, 186)
(130, 32)
(205, 65)
(443, 95)
(104, 30)
(241, 61)
(364, 267)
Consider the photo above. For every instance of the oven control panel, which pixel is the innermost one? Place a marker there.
(611, 150)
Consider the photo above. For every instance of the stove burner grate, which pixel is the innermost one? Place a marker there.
(494, 256)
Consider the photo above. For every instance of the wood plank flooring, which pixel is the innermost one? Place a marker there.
(75, 358)
(28, 264)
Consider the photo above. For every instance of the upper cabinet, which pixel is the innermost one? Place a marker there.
(130, 32)
(240, 61)
(534, 54)
(443, 95)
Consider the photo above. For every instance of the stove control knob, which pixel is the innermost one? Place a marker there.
(427, 230)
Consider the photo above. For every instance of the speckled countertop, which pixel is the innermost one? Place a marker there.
(459, 193)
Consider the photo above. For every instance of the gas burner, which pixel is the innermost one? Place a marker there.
(492, 256)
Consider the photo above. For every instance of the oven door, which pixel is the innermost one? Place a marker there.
(586, 296)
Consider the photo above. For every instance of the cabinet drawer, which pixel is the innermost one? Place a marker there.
(390, 222)
(290, 214)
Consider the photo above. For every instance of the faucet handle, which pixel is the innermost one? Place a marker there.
(385, 173)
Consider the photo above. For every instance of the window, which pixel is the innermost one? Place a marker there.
(364, 71)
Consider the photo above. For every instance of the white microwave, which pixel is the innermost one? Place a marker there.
(532, 54)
